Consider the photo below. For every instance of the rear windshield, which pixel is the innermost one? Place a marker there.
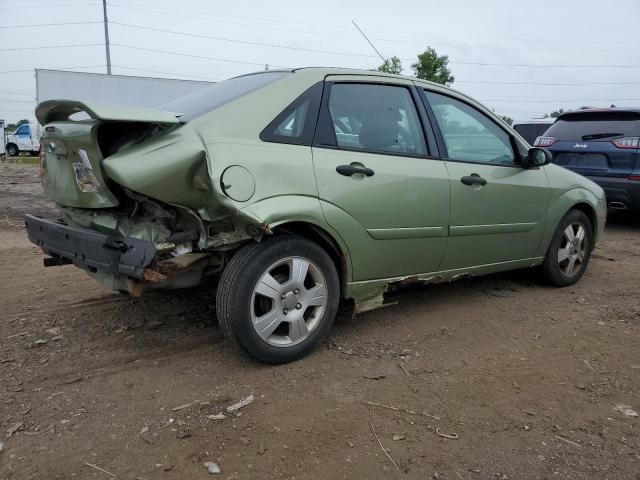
(594, 126)
(531, 131)
(203, 101)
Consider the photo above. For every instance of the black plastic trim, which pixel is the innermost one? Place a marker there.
(314, 95)
(91, 250)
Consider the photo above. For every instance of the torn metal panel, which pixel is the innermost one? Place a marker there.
(369, 295)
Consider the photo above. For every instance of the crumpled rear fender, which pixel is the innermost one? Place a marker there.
(171, 167)
(275, 211)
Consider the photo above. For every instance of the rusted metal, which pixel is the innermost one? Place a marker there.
(153, 276)
(176, 264)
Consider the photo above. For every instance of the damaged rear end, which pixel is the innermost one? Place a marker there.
(137, 208)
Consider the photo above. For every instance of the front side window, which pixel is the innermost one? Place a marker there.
(469, 134)
(376, 118)
(24, 130)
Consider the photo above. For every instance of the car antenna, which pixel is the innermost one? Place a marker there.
(367, 39)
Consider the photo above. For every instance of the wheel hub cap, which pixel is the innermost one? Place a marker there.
(290, 300)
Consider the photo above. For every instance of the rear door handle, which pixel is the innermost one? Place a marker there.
(348, 170)
(473, 179)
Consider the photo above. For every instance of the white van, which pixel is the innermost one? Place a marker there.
(24, 139)
(2, 137)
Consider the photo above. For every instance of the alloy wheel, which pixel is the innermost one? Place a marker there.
(573, 249)
(288, 301)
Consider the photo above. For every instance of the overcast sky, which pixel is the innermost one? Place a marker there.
(592, 50)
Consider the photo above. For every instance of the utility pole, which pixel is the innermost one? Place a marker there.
(106, 35)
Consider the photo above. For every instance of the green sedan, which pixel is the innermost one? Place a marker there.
(297, 189)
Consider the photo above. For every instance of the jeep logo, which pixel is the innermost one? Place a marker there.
(580, 145)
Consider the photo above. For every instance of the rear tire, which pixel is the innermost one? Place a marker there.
(570, 250)
(12, 150)
(277, 299)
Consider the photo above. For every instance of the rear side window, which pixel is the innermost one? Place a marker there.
(296, 123)
(375, 118)
(469, 134)
(595, 125)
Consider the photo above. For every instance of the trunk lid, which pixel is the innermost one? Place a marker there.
(78, 136)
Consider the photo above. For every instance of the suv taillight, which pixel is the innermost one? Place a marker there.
(544, 141)
(626, 142)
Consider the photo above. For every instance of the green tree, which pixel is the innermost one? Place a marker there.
(433, 67)
(507, 119)
(391, 65)
(555, 113)
(13, 126)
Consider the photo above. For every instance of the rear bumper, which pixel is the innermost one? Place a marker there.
(90, 250)
(620, 191)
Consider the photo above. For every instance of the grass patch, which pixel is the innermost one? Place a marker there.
(24, 160)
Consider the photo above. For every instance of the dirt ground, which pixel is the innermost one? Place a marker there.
(506, 378)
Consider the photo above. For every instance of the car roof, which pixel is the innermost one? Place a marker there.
(601, 110)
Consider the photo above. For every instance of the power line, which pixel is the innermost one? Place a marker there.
(16, 111)
(31, 70)
(354, 54)
(51, 46)
(16, 101)
(244, 42)
(48, 24)
(536, 65)
(166, 73)
(560, 100)
(545, 83)
(168, 11)
(173, 12)
(217, 59)
(23, 5)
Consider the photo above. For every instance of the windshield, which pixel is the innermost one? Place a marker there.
(595, 126)
(207, 99)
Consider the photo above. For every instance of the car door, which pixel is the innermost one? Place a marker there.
(498, 207)
(377, 183)
(23, 137)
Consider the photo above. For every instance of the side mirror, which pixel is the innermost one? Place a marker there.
(538, 157)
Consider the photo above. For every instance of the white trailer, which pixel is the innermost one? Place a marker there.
(95, 87)
(118, 89)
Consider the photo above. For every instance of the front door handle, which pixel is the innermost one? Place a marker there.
(348, 170)
(473, 179)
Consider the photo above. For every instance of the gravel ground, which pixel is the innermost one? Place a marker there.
(498, 377)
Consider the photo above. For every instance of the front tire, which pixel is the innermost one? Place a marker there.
(570, 250)
(277, 299)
